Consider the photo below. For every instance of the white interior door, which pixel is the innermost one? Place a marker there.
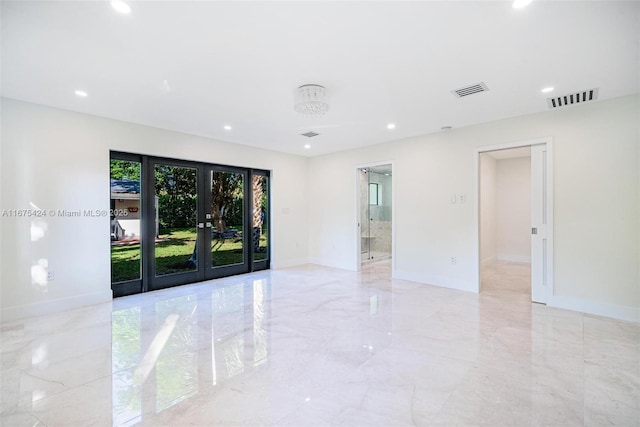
(540, 223)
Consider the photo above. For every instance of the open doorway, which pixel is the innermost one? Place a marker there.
(375, 212)
(513, 179)
(505, 221)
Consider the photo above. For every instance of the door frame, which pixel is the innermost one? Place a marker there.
(151, 281)
(548, 176)
(358, 263)
(148, 281)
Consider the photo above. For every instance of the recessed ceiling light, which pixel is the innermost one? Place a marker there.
(547, 89)
(227, 127)
(391, 126)
(81, 93)
(519, 4)
(121, 6)
(307, 146)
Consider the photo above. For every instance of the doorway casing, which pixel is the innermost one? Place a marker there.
(542, 199)
(357, 225)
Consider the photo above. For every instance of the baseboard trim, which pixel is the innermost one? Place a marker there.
(440, 281)
(515, 258)
(488, 260)
(276, 265)
(332, 264)
(43, 308)
(630, 314)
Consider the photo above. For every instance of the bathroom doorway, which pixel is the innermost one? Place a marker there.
(375, 208)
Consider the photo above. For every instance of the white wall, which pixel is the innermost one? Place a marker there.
(55, 159)
(488, 215)
(596, 188)
(513, 209)
(59, 160)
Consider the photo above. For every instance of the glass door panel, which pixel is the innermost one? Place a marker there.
(365, 234)
(176, 207)
(194, 222)
(227, 211)
(125, 220)
(380, 196)
(375, 212)
(259, 222)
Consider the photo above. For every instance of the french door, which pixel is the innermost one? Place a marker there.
(196, 222)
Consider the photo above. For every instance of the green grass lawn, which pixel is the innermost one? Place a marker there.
(173, 253)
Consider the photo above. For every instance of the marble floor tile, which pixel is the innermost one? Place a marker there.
(317, 346)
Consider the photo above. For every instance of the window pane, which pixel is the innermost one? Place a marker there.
(227, 209)
(176, 201)
(125, 220)
(260, 224)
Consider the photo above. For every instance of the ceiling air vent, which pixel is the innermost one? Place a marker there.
(470, 90)
(573, 98)
(310, 134)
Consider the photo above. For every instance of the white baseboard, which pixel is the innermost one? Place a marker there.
(523, 259)
(43, 308)
(441, 281)
(332, 263)
(631, 314)
(488, 260)
(288, 263)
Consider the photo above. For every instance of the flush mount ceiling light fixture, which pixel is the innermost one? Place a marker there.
(519, 4)
(121, 6)
(311, 100)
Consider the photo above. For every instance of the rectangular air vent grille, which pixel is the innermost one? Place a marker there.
(310, 134)
(470, 90)
(573, 98)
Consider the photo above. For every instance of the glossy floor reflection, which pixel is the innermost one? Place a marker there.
(318, 346)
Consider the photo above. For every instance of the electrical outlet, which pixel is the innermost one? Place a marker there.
(462, 198)
(49, 276)
(453, 260)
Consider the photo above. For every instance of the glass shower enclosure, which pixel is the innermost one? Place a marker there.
(375, 213)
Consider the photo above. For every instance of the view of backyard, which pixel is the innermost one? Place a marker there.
(176, 206)
(173, 251)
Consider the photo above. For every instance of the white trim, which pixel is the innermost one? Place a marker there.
(332, 264)
(548, 141)
(488, 260)
(550, 193)
(43, 308)
(433, 280)
(358, 262)
(294, 262)
(631, 314)
(516, 144)
(475, 266)
(520, 259)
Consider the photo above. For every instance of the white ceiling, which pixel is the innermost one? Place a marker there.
(238, 63)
